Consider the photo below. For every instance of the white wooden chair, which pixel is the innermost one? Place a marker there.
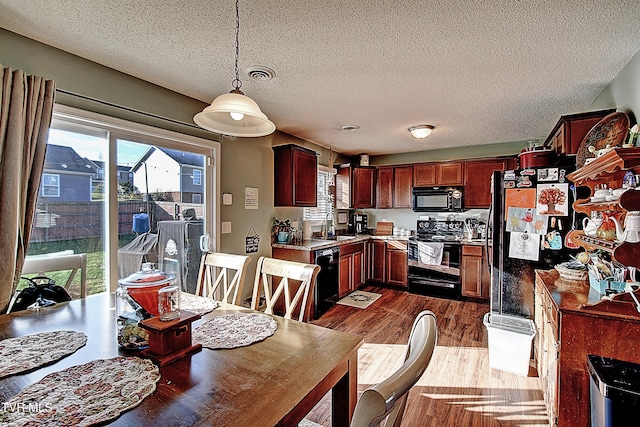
(216, 269)
(295, 283)
(388, 398)
(43, 264)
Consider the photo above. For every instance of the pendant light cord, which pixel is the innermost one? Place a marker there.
(237, 84)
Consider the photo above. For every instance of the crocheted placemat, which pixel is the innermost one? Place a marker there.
(234, 330)
(197, 304)
(83, 395)
(29, 352)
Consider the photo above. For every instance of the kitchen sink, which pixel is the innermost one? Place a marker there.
(339, 238)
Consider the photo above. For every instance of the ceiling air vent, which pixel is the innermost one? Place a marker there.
(260, 73)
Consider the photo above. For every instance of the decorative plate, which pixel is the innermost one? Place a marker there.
(611, 131)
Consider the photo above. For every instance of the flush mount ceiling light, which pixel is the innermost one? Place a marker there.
(234, 113)
(421, 131)
(349, 128)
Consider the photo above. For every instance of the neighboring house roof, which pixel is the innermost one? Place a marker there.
(180, 157)
(65, 159)
(186, 159)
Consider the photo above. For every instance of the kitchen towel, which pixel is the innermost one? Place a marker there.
(430, 252)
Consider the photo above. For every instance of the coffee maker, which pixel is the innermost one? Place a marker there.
(357, 223)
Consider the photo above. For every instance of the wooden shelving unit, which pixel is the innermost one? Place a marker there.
(609, 169)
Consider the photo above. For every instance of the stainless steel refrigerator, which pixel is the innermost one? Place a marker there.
(530, 217)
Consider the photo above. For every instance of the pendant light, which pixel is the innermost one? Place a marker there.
(234, 113)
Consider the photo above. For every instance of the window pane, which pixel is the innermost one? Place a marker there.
(197, 177)
(325, 200)
(159, 195)
(69, 216)
(50, 185)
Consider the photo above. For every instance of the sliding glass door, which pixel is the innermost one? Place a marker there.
(120, 192)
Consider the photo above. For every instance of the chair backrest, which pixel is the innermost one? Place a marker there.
(389, 397)
(216, 269)
(295, 283)
(43, 264)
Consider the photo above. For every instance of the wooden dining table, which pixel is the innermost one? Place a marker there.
(274, 382)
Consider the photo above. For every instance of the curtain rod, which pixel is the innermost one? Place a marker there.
(131, 110)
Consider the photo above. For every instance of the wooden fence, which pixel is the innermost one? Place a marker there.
(56, 221)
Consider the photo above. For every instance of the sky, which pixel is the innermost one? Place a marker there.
(94, 148)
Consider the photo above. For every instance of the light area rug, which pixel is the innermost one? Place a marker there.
(359, 299)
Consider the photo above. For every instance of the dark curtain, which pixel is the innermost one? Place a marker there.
(26, 109)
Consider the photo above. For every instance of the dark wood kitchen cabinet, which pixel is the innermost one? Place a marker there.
(363, 187)
(388, 262)
(376, 260)
(435, 174)
(474, 272)
(355, 187)
(384, 188)
(477, 181)
(393, 187)
(351, 268)
(571, 324)
(397, 263)
(571, 129)
(295, 176)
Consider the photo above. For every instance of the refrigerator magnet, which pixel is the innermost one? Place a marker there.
(524, 246)
(526, 220)
(553, 200)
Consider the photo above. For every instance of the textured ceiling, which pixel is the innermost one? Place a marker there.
(480, 72)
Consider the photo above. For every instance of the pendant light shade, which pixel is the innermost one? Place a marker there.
(235, 114)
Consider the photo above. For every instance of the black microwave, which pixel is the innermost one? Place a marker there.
(437, 199)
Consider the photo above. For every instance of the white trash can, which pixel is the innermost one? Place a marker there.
(510, 339)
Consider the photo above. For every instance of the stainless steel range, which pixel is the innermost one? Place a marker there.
(434, 258)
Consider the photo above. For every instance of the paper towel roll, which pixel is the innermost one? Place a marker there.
(306, 230)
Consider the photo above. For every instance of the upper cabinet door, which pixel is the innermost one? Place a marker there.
(402, 179)
(364, 187)
(434, 174)
(449, 173)
(384, 188)
(477, 181)
(295, 176)
(570, 130)
(394, 187)
(424, 175)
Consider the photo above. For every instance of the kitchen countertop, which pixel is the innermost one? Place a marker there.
(475, 242)
(315, 244)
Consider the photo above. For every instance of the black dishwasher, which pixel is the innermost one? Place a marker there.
(326, 291)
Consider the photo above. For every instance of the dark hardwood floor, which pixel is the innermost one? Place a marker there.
(458, 388)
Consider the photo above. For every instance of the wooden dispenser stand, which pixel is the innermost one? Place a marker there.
(170, 341)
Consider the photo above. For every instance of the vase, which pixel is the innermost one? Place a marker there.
(283, 237)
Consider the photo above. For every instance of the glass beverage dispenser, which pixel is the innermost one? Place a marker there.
(137, 298)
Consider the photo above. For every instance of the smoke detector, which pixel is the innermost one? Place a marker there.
(349, 128)
(260, 73)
